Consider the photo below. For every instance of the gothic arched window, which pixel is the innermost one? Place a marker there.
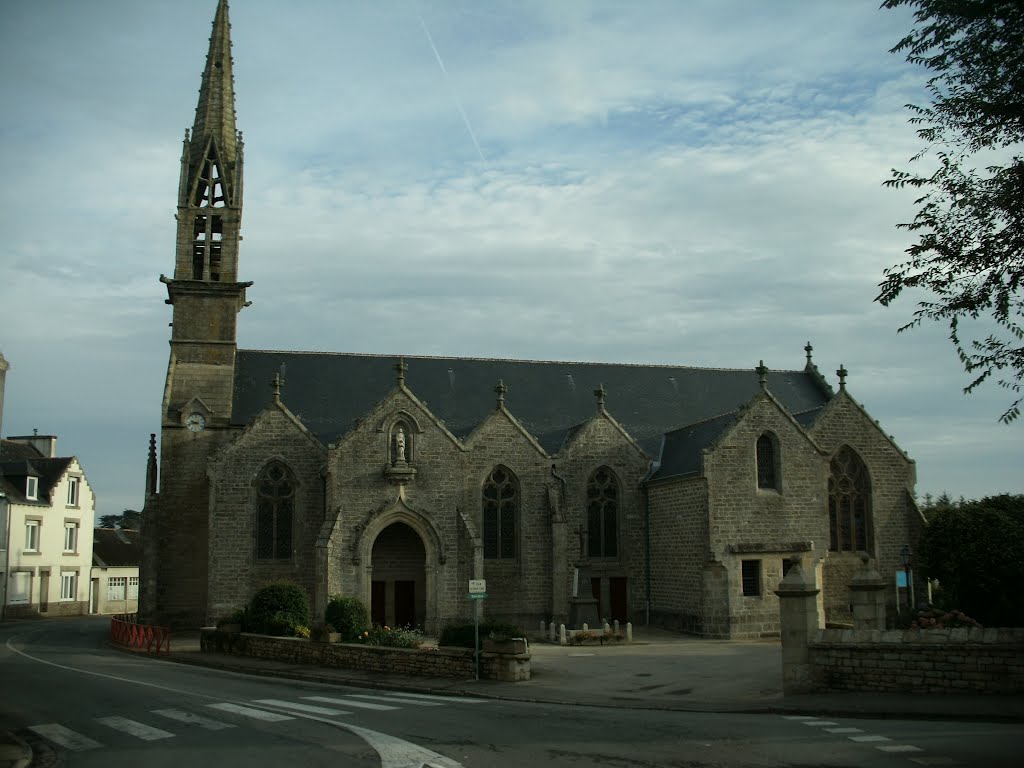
(275, 505)
(849, 502)
(603, 514)
(767, 463)
(501, 513)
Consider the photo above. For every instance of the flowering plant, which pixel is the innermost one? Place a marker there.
(934, 618)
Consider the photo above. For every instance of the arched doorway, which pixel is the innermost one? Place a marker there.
(398, 594)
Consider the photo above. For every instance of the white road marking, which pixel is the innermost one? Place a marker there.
(900, 748)
(300, 707)
(134, 728)
(255, 714)
(443, 699)
(67, 738)
(819, 722)
(413, 702)
(868, 738)
(843, 730)
(798, 717)
(397, 753)
(351, 703)
(190, 718)
(933, 760)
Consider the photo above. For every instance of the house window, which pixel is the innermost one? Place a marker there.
(68, 585)
(73, 484)
(32, 488)
(31, 535)
(751, 577)
(70, 537)
(116, 588)
(133, 587)
(603, 514)
(767, 465)
(849, 502)
(21, 588)
(275, 490)
(500, 511)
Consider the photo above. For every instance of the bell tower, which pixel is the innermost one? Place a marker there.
(206, 298)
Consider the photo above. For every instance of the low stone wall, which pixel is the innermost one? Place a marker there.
(425, 662)
(918, 661)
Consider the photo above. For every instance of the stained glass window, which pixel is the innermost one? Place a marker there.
(603, 514)
(849, 502)
(767, 476)
(275, 491)
(501, 513)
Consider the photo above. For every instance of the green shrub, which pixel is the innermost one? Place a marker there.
(400, 637)
(461, 635)
(348, 616)
(235, 617)
(278, 609)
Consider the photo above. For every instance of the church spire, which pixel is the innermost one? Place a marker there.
(210, 187)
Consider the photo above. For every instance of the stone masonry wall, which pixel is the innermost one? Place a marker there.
(893, 523)
(919, 661)
(679, 551)
(422, 662)
(235, 573)
(763, 526)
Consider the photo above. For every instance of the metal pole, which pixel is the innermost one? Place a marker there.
(476, 639)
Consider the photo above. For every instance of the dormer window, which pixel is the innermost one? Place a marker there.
(32, 488)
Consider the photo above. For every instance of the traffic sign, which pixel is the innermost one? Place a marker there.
(477, 595)
(477, 586)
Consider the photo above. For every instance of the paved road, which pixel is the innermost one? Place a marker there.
(86, 705)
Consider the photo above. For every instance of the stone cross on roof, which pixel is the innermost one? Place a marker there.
(762, 374)
(842, 373)
(400, 370)
(501, 390)
(600, 394)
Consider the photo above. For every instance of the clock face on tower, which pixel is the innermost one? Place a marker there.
(195, 422)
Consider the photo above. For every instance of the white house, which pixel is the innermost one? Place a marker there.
(47, 507)
(116, 555)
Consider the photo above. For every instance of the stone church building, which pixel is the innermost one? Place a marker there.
(683, 491)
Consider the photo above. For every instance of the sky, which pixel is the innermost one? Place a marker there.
(689, 183)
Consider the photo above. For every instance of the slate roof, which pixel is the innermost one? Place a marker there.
(331, 392)
(681, 452)
(116, 548)
(49, 472)
(11, 450)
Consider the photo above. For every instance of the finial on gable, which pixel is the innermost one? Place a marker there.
(400, 369)
(600, 394)
(808, 349)
(501, 391)
(842, 374)
(762, 375)
(275, 384)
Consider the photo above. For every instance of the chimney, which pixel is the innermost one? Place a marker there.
(45, 444)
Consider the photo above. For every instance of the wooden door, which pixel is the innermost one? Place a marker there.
(618, 596)
(378, 603)
(405, 603)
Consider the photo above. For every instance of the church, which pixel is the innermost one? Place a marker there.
(669, 495)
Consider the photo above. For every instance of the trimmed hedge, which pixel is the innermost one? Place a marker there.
(348, 616)
(278, 609)
(461, 635)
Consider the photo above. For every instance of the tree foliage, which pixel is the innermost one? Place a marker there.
(976, 551)
(127, 520)
(348, 616)
(969, 253)
(277, 609)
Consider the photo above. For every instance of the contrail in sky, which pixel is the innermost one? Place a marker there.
(451, 88)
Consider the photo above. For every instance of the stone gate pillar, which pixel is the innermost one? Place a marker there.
(799, 621)
(867, 595)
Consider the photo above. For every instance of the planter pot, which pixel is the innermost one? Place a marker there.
(514, 645)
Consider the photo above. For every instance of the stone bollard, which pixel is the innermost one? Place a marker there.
(606, 629)
(616, 625)
(629, 631)
(551, 636)
(867, 596)
(586, 628)
(561, 634)
(798, 620)
(542, 627)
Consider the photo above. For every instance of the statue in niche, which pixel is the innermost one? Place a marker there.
(400, 446)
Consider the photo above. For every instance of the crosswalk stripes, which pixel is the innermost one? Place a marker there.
(190, 718)
(307, 708)
(261, 710)
(875, 740)
(64, 737)
(134, 728)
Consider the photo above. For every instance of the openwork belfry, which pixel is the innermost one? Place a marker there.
(396, 480)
